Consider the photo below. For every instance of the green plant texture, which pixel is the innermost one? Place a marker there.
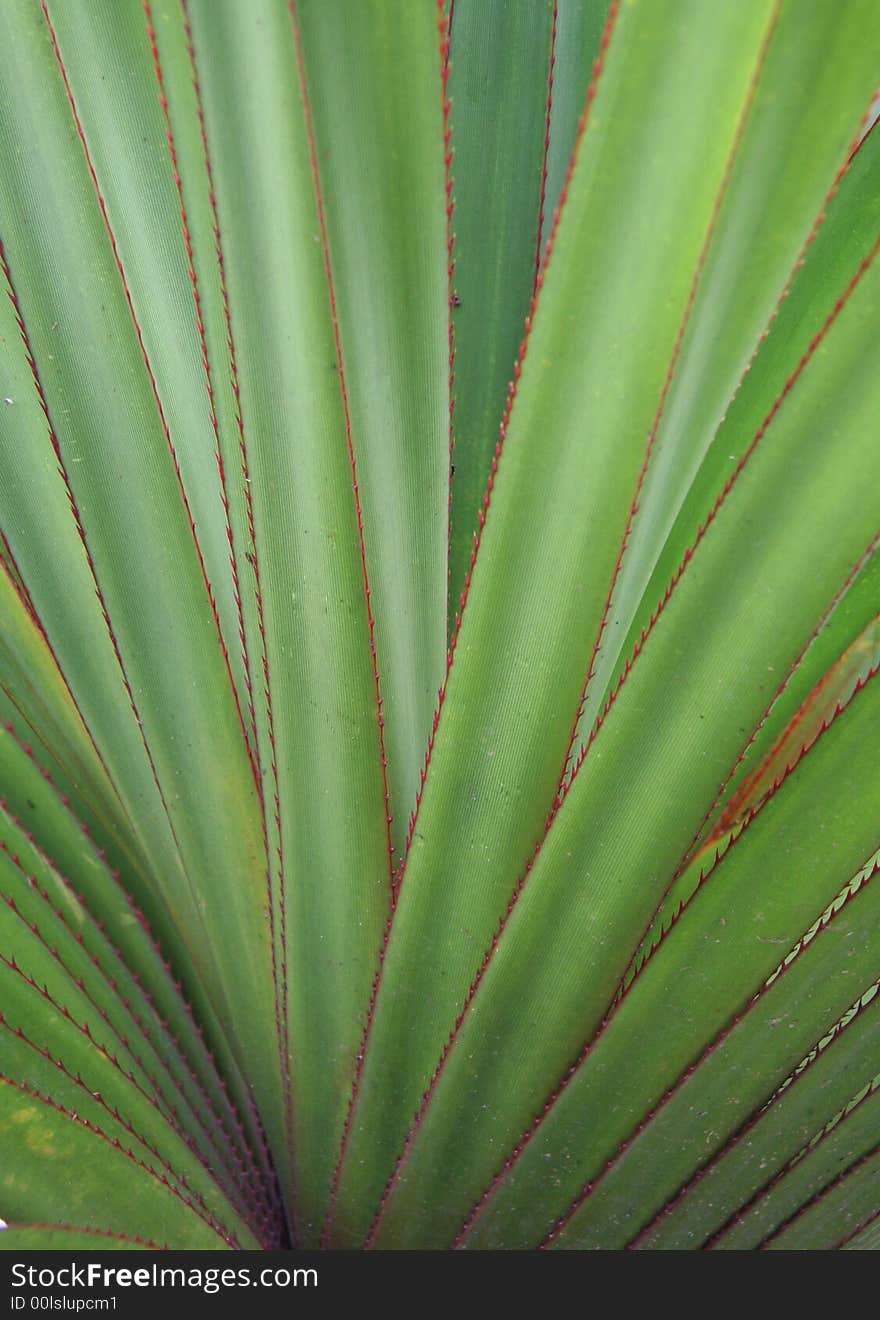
(439, 615)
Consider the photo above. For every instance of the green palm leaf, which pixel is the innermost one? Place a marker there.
(438, 624)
